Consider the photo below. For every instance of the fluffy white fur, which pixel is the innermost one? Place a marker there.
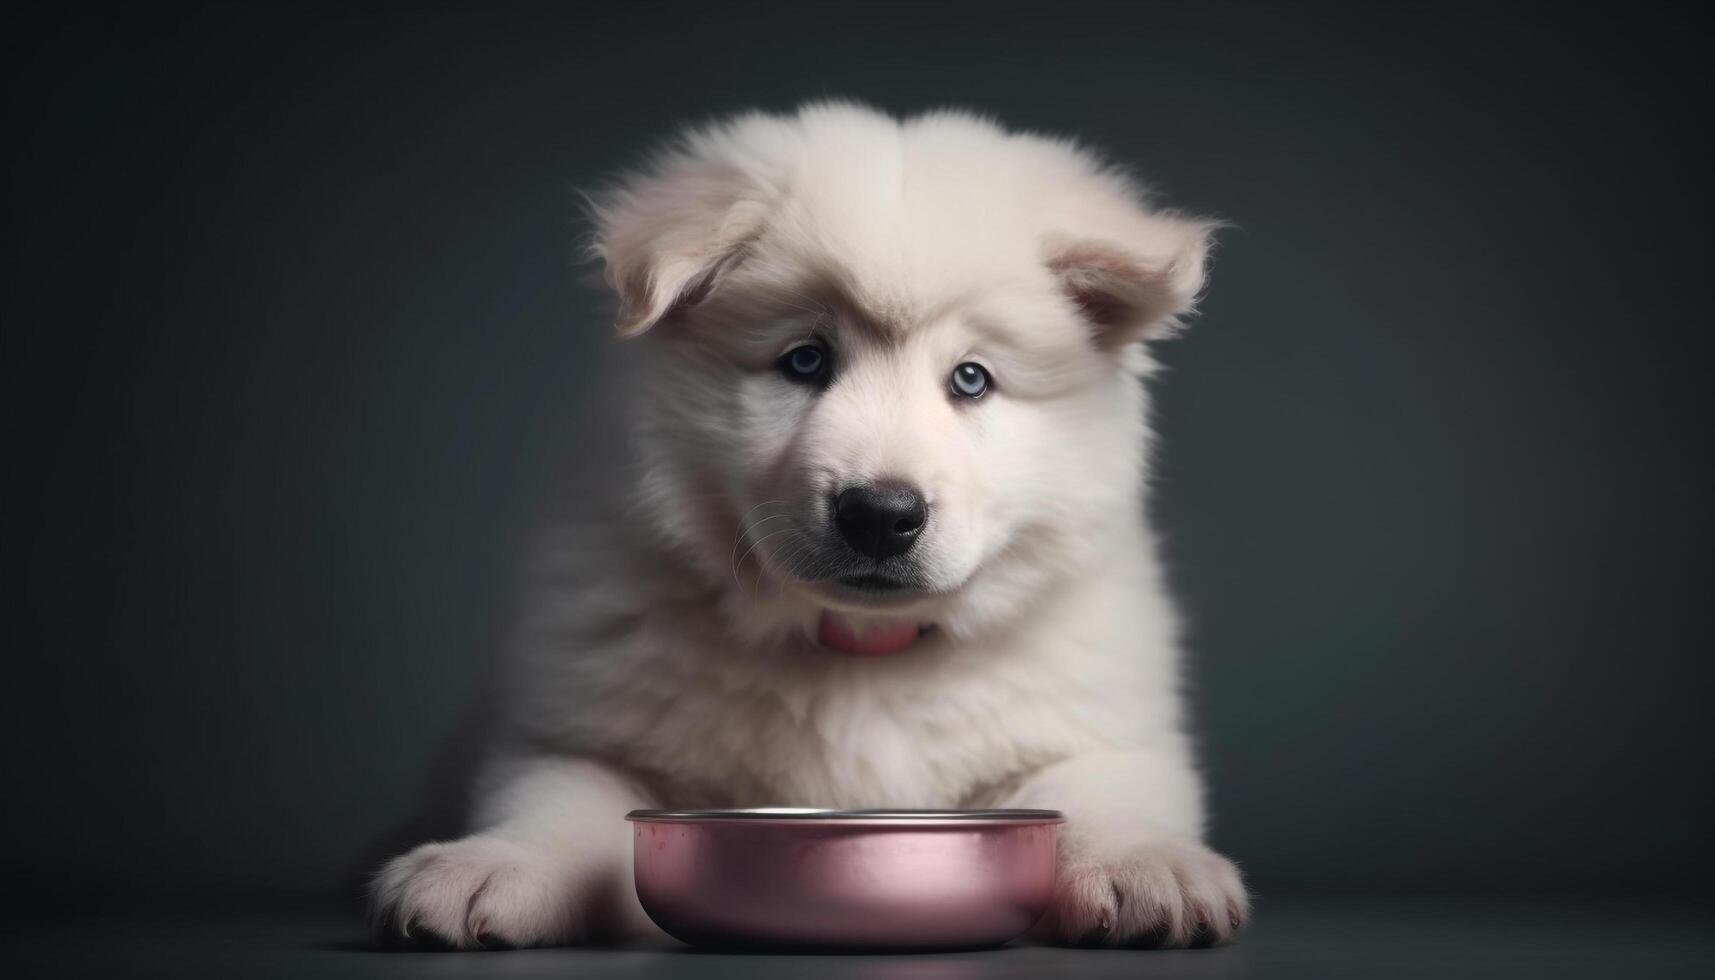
(667, 657)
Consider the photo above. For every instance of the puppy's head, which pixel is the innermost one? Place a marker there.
(894, 371)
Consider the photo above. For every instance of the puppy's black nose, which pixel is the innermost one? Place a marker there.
(880, 519)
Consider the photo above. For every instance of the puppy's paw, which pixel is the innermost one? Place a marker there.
(476, 893)
(1167, 894)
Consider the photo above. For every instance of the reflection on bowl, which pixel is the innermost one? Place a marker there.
(845, 879)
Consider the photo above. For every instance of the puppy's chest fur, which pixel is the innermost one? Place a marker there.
(640, 669)
(934, 727)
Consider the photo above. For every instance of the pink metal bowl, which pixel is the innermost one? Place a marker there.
(845, 879)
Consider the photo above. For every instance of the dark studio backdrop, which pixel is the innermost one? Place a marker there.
(294, 346)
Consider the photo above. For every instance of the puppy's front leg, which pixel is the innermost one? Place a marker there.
(552, 865)
(1133, 868)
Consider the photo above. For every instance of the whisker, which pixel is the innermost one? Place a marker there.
(791, 561)
(808, 562)
(765, 503)
(733, 558)
(740, 563)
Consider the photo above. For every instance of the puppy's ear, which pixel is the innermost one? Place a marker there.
(1136, 277)
(666, 238)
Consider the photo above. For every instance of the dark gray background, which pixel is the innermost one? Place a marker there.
(293, 345)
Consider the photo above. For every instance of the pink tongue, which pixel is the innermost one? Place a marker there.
(836, 633)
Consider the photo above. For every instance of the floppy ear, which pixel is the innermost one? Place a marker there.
(1135, 278)
(667, 237)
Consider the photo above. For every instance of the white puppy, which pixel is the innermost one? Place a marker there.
(886, 546)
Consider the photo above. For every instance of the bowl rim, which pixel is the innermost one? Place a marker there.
(795, 814)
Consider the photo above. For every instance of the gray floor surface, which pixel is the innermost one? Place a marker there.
(1354, 937)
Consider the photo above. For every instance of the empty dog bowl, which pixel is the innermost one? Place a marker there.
(847, 879)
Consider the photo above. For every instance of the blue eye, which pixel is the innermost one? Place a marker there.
(806, 363)
(970, 380)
